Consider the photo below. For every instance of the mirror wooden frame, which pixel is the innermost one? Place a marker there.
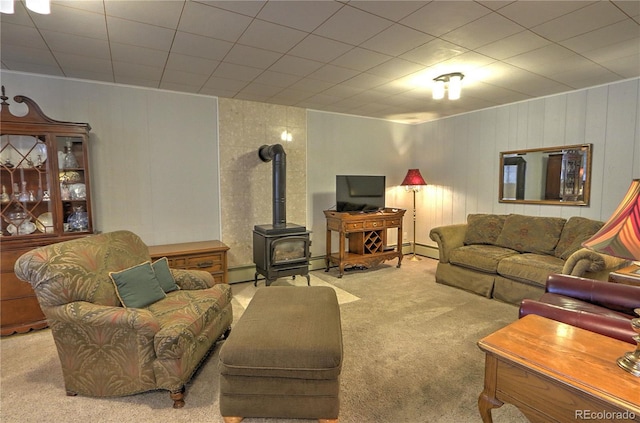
(560, 161)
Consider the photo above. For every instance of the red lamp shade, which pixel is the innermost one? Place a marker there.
(620, 236)
(413, 178)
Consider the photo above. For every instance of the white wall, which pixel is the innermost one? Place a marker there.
(154, 154)
(459, 155)
(349, 145)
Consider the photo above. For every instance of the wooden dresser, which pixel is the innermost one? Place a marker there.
(19, 308)
(210, 256)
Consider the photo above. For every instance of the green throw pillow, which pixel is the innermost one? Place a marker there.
(137, 287)
(483, 228)
(576, 231)
(531, 234)
(164, 276)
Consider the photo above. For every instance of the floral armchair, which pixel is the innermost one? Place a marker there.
(108, 349)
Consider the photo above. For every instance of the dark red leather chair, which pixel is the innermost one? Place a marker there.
(603, 307)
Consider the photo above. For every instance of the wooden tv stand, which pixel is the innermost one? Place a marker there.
(367, 233)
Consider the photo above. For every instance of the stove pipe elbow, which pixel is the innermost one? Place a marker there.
(276, 153)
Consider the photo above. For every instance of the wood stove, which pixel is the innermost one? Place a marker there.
(279, 249)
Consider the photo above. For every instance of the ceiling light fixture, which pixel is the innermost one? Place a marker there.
(39, 6)
(452, 82)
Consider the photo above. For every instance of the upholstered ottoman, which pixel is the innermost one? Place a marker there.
(284, 356)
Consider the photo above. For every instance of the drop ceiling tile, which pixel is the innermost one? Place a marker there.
(251, 56)
(495, 4)
(587, 75)
(21, 35)
(396, 40)
(95, 6)
(360, 59)
(630, 7)
(139, 34)
(200, 19)
(218, 92)
(200, 46)
(513, 45)
(395, 68)
(19, 17)
(183, 88)
(138, 81)
(291, 96)
(104, 76)
(295, 65)
(72, 21)
(160, 13)
(238, 72)
(139, 55)
(311, 85)
(465, 63)
(41, 68)
(433, 52)
(440, 17)
(132, 71)
(351, 26)
(334, 74)
(482, 31)
(277, 79)
(604, 37)
(76, 44)
(245, 7)
(198, 65)
(539, 58)
(217, 83)
(31, 55)
(532, 13)
(189, 79)
(520, 80)
(302, 15)
(394, 10)
(318, 48)
(581, 21)
(626, 66)
(255, 88)
(270, 36)
(76, 62)
(366, 81)
(612, 52)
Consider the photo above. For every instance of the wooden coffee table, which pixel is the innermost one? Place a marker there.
(554, 372)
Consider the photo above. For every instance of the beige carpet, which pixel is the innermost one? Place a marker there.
(410, 356)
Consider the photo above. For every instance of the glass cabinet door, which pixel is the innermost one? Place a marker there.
(25, 200)
(74, 192)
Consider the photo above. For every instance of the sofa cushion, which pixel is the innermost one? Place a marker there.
(186, 317)
(530, 234)
(480, 257)
(137, 286)
(575, 232)
(164, 276)
(530, 268)
(483, 228)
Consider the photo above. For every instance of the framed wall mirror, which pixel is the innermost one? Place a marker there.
(551, 175)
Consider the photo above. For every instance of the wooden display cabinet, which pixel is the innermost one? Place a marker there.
(45, 198)
(367, 234)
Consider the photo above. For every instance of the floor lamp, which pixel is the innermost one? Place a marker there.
(412, 182)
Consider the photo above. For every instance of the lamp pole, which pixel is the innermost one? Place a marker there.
(413, 181)
(414, 257)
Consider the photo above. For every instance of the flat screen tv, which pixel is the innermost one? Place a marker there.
(359, 193)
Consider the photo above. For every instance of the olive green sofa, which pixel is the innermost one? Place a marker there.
(106, 345)
(508, 257)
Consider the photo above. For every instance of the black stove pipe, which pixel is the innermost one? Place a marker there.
(276, 153)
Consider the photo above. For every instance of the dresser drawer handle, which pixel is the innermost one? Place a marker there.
(205, 264)
(375, 224)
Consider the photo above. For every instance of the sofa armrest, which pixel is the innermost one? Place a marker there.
(193, 279)
(448, 237)
(585, 260)
(617, 328)
(108, 318)
(615, 296)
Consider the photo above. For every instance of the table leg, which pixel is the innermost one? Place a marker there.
(487, 399)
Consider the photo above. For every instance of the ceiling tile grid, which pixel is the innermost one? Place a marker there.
(368, 58)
